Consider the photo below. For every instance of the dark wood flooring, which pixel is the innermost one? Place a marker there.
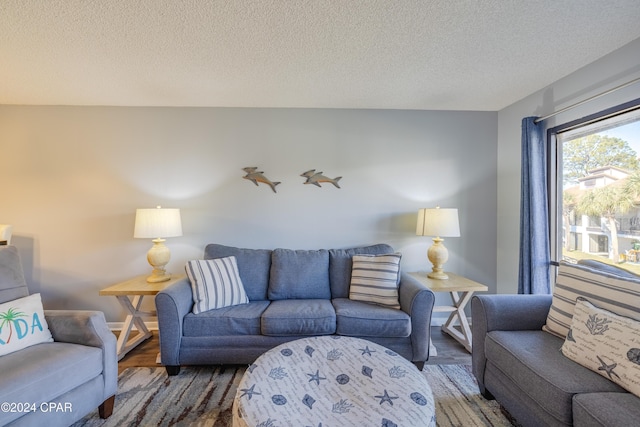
(450, 352)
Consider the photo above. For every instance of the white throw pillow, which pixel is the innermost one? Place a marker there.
(215, 284)
(22, 324)
(374, 279)
(606, 343)
(609, 291)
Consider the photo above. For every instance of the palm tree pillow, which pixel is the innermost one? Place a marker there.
(22, 324)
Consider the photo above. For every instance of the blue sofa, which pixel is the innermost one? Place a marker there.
(64, 380)
(318, 305)
(523, 368)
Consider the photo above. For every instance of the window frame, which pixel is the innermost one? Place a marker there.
(555, 179)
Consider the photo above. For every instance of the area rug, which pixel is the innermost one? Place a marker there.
(203, 396)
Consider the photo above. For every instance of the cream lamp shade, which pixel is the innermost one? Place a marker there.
(157, 224)
(438, 222)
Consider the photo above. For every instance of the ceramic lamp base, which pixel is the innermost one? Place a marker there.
(438, 255)
(158, 256)
(437, 275)
(161, 276)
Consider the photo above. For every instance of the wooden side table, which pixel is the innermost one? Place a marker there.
(461, 290)
(130, 294)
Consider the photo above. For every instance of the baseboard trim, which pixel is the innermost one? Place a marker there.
(439, 321)
(117, 326)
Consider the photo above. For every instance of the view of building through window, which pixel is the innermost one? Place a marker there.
(600, 201)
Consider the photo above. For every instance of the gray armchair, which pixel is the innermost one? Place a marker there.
(56, 383)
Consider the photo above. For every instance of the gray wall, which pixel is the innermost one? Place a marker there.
(73, 177)
(610, 71)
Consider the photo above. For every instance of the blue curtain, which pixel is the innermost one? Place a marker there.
(534, 213)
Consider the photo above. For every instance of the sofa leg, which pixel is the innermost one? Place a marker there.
(419, 365)
(106, 408)
(172, 370)
(487, 394)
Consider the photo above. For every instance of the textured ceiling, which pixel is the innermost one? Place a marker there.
(399, 54)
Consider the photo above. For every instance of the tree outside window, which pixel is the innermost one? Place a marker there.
(600, 205)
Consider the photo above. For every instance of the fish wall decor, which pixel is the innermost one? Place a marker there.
(256, 176)
(316, 178)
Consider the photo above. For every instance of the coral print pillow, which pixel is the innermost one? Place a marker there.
(22, 324)
(606, 343)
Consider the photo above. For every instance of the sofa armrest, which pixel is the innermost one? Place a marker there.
(503, 313)
(87, 328)
(417, 301)
(172, 304)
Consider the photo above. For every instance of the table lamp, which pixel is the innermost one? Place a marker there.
(158, 223)
(438, 222)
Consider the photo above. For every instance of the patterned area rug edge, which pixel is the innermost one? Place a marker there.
(203, 396)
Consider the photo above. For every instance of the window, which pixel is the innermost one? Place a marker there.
(595, 188)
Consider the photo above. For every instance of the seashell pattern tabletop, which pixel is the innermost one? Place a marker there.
(333, 381)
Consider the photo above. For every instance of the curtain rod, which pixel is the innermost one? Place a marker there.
(555, 113)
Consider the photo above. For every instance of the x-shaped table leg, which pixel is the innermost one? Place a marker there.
(459, 303)
(134, 317)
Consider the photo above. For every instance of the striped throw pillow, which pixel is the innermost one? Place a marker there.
(620, 295)
(215, 284)
(374, 279)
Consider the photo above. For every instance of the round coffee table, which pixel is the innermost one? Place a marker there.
(333, 381)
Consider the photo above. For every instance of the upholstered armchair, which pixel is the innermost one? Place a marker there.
(69, 372)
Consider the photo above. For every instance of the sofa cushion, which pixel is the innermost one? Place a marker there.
(22, 324)
(606, 343)
(533, 361)
(299, 274)
(606, 409)
(253, 266)
(299, 317)
(215, 283)
(340, 265)
(360, 319)
(611, 292)
(374, 279)
(42, 372)
(235, 320)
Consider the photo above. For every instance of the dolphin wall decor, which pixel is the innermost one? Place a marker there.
(316, 178)
(256, 176)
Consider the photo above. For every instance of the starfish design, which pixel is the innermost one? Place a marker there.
(249, 392)
(570, 336)
(386, 398)
(366, 350)
(316, 377)
(608, 368)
